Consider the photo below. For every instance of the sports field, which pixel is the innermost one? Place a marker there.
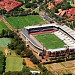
(20, 22)
(50, 41)
(3, 26)
(14, 64)
(4, 42)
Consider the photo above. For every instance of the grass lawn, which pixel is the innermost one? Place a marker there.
(13, 64)
(20, 22)
(3, 50)
(4, 42)
(50, 41)
(3, 26)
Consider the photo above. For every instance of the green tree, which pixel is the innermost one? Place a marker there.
(28, 53)
(34, 59)
(24, 63)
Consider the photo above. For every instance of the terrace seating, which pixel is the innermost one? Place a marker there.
(41, 29)
(68, 30)
(65, 38)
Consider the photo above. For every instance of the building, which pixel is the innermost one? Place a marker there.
(64, 33)
(9, 5)
(58, 1)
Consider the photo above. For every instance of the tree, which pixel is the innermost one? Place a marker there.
(40, 1)
(18, 51)
(24, 63)
(34, 59)
(23, 54)
(3, 32)
(25, 69)
(29, 53)
(34, 1)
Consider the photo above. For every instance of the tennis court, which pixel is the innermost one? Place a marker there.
(4, 42)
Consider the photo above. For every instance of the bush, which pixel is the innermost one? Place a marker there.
(18, 52)
(28, 53)
(31, 5)
(34, 59)
(24, 63)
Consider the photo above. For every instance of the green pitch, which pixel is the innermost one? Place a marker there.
(4, 42)
(3, 26)
(50, 41)
(14, 64)
(20, 22)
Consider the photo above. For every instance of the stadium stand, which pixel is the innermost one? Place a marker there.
(25, 33)
(41, 28)
(64, 33)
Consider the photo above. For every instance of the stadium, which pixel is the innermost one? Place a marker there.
(51, 38)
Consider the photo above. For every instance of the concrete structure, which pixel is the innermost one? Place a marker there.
(64, 33)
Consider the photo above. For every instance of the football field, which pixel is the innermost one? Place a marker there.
(50, 41)
(20, 22)
(14, 64)
(3, 26)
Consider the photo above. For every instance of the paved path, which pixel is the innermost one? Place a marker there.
(9, 26)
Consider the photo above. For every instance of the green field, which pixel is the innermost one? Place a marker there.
(4, 42)
(14, 64)
(3, 26)
(50, 41)
(20, 22)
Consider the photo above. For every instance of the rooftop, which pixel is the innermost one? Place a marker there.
(9, 5)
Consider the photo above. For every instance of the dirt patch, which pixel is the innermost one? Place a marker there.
(7, 51)
(30, 64)
(0, 19)
(68, 64)
(72, 71)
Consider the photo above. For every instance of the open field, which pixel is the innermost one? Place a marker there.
(50, 41)
(30, 64)
(4, 42)
(62, 68)
(3, 26)
(3, 49)
(14, 64)
(20, 22)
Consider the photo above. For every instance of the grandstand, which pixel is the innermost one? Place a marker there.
(64, 33)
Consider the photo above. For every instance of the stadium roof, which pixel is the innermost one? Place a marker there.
(68, 30)
(9, 5)
(45, 25)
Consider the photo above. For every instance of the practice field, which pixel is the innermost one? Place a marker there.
(4, 42)
(20, 22)
(50, 41)
(14, 64)
(3, 26)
